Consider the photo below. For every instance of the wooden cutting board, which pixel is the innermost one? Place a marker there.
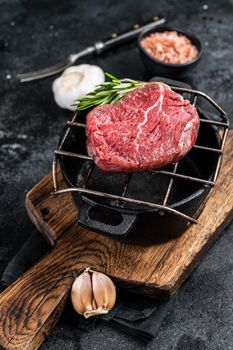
(33, 304)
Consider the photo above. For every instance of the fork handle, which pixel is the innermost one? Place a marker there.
(116, 40)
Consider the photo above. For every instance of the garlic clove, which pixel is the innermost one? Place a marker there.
(81, 293)
(104, 291)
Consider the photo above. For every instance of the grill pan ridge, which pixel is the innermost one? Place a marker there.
(143, 207)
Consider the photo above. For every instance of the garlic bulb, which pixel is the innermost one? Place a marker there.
(74, 82)
(93, 293)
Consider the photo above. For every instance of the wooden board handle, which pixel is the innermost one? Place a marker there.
(33, 304)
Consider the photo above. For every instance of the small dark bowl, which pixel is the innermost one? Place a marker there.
(156, 67)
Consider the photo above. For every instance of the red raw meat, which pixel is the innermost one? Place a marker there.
(150, 127)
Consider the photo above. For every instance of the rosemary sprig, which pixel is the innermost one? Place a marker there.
(107, 92)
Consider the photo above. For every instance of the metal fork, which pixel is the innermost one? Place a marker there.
(97, 48)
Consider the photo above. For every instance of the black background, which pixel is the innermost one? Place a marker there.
(34, 34)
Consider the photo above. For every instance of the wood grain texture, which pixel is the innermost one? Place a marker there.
(33, 304)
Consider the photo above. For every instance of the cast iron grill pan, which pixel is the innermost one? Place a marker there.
(181, 187)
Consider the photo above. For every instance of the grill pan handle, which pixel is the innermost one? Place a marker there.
(88, 220)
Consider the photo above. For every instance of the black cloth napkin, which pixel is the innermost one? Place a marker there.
(137, 315)
(140, 317)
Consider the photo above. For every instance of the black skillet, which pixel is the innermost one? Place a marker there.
(136, 223)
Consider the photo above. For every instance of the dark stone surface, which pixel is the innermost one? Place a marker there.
(34, 34)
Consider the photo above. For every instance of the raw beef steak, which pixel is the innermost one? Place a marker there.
(150, 127)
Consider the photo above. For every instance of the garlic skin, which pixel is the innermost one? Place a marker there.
(93, 293)
(74, 82)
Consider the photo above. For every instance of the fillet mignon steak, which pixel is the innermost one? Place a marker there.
(150, 127)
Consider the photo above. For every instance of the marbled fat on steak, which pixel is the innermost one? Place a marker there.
(150, 127)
